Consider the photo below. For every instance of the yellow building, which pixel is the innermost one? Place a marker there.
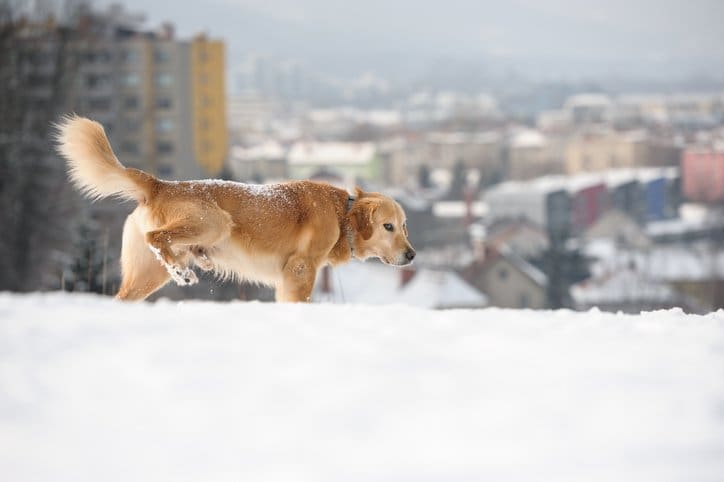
(209, 103)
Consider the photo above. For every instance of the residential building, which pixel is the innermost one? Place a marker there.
(531, 154)
(404, 156)
(544, 201)
(251, 114)
(619, 228)
(571, 204)
(695, 271)
(602, 148)
(508, 280)
(161, 100)
(350, 160)
(524, 238)
(589, 108)
(628, 291)
(702, 174)
(259, 163)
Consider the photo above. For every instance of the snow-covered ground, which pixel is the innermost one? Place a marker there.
(94, 390)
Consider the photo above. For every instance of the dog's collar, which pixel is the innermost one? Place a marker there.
(350, 233)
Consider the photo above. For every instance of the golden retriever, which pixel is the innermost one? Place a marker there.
(276, 234)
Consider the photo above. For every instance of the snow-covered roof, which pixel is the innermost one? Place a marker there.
(378, 117)
(673, 227)
(458, 209)
(528, 138)
(266, 151)
(377, 284)
(691, 262)
(612, 178)
(454, 138)
(623, 286)
(331, 153)
(524, 266)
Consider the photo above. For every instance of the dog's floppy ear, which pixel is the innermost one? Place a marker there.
(361, 216)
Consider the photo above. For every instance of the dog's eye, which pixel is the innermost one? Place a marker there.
(388, 226)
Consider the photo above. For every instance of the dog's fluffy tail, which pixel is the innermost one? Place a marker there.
(92, 165)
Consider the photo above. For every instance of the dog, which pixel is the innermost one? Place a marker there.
(279, 235)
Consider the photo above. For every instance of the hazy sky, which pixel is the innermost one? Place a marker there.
(598, 32)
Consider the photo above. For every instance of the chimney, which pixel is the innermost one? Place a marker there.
(477, 240)
(468, 194)
(406, 275)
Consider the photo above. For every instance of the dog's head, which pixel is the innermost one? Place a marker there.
(380, 228)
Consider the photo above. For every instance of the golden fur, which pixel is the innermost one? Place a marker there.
(278, 234)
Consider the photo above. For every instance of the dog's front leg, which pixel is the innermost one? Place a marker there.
(297, 281)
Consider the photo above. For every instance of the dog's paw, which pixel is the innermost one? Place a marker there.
(183, 276)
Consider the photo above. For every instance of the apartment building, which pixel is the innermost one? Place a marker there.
(162, 100)
(601, 149)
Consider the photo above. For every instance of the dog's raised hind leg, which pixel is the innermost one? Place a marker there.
(161, 243)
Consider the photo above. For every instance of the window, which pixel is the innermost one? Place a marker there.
(100, 103)
(164, 147)
(163, 103)
(161, 56)
(129, 147)
(165, 170)
(131, 80)
(131, 103)
(103, 56)
(163, 79)
(131, 124)
(130, 57)
(502, 274)
(164, 125)
(95, 80)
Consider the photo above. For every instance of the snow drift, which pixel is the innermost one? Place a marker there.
(91, 389)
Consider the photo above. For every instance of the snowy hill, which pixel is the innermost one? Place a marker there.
(94, 390)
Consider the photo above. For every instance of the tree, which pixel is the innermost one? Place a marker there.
(37, 203)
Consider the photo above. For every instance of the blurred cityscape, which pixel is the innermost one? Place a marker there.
(519, 193)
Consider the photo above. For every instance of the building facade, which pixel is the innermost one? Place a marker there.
(161, 100)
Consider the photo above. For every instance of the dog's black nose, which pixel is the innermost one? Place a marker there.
(410, 254)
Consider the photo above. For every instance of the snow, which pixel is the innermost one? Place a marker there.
(331, 153)
(92, 389)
